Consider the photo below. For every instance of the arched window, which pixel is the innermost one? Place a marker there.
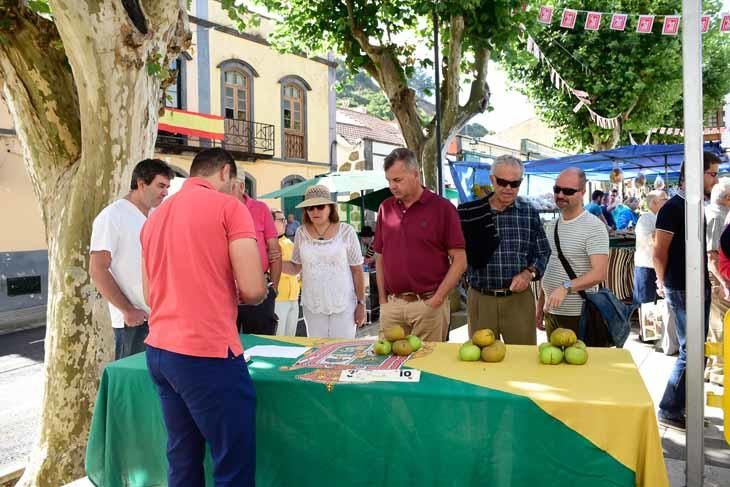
(249, 184)
(291, 180)
(294, 116)
(237, 101)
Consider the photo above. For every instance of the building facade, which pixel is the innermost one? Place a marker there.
(276, 114)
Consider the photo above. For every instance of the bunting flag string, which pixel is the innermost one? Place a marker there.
(644, 23)
(560, 84)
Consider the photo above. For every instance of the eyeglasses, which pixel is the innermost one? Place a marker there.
(504, 182)
(711, 173)
(316, 207)
(565, 191)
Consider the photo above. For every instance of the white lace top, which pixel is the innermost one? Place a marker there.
(327, 286)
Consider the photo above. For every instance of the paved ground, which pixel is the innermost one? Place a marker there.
(21, 356)
(21, 388)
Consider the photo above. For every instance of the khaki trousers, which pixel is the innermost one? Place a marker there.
(416, 318)
(511, 318)
(718, 308)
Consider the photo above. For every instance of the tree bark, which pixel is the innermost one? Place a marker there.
(85, 112)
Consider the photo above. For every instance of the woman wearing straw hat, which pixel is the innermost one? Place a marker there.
(328, 255)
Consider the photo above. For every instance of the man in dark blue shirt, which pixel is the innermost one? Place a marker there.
(499, 284)
(669, 263)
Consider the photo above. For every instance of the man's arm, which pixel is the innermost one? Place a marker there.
(662, 241)
(380, 278)
(597, 274)
(273, 249)
(456, 270)
(145, 284)
(99, 264)
(246, 262)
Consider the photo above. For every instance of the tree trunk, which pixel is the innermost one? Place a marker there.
(81, 141)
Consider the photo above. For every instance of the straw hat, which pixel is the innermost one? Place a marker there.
(316, 195)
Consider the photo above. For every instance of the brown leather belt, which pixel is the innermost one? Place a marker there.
(412, 297)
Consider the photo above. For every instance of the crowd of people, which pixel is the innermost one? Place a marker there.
(185, 276)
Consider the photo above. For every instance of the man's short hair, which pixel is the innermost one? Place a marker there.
(147, 169)
(708, 159)
(209, 161)
(652, 195)
(596, 195)
(401, 154)
(507, 160)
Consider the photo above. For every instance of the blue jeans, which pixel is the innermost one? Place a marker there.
(206, 400)
(130, 340)
(675, 395)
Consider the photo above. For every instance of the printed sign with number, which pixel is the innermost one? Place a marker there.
(646, 23)
(618, 21)
(593, 21)
(569, 17)
(671, 25)
(546, 15)
(363, 376)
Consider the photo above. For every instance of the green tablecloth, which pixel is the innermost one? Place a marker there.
(438, 432)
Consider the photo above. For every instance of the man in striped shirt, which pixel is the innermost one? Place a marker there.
(584, 243)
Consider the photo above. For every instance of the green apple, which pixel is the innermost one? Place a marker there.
(551, 355)
(470, 353)
(382, 347)
(415, 342)
(576, 356)
(579, 344)
(543, 345)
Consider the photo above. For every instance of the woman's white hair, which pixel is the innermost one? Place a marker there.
(720, 190)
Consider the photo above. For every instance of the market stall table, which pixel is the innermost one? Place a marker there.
(514, 423)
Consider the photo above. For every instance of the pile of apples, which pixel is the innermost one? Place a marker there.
(563, 345)
(483, 345)
(396, 342)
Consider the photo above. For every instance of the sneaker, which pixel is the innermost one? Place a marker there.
(671, 421)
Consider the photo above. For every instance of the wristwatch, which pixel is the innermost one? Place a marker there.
(532, 271)
(567, 286)
(360, 301)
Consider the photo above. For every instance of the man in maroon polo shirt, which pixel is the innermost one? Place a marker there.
(419, 251)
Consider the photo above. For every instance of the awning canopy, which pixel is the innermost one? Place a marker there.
(631, 159)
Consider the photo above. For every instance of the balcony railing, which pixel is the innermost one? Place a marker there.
(245, 139)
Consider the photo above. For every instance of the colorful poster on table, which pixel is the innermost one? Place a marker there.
(593, 21)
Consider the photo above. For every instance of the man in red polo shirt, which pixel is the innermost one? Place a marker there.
(199, 258)
(261, 319)
(419, 251)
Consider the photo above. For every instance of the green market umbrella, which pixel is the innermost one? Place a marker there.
(337, 182)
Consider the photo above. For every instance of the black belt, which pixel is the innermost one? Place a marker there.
(497, 293)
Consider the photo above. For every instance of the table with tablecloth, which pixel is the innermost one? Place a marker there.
(514, 423)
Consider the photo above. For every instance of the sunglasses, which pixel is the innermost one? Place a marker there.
(505, 182)
(316, 207)
(565, 191)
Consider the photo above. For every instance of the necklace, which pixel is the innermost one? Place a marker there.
(322, 234)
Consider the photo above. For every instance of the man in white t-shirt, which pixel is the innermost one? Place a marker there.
(584, 243)
(115, 265)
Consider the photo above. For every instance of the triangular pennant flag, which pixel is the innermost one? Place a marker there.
(705, 22)
(646, 22)
(546, 15)
(725, 23)
(593, 21)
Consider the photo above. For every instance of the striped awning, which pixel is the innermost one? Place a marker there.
(193, 124)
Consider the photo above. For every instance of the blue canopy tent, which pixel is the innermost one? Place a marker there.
(663, 159)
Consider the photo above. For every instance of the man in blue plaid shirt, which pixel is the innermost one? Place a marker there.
(499, 295)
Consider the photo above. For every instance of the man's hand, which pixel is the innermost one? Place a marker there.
(360, 315)
(435, 301)
(555, 299)
(659, 288)
(726, 292)
(134, 317)
(521, 281)
(539, 316)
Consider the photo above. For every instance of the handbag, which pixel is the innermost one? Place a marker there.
(604, 319)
